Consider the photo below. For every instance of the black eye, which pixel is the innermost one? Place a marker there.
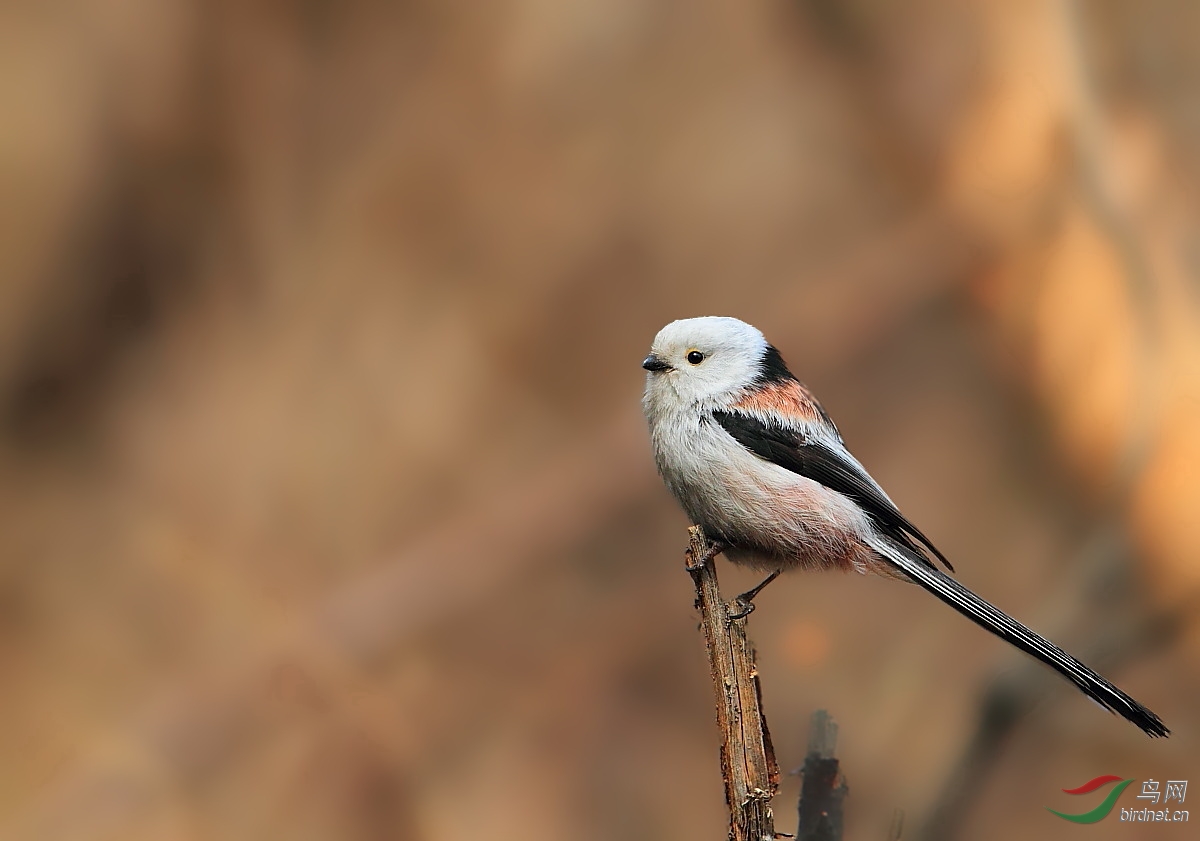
(695, 357)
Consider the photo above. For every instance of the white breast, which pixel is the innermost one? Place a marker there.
(770, 515)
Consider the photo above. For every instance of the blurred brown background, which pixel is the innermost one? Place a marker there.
(327, 508)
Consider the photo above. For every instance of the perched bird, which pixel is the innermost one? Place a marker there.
(756, 461)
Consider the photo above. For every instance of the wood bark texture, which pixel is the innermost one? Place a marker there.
(747, 757)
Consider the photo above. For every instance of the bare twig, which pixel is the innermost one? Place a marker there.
(823, 789)
(747, 756)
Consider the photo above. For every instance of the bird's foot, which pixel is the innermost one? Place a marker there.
(743, 605)
(712, 548)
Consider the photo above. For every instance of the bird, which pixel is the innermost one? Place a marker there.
(755, 460)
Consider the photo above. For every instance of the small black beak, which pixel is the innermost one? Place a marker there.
(654, 363)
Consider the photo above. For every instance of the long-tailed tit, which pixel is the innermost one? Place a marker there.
(755, 460)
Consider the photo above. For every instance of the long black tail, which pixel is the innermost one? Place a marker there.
(1007, 628)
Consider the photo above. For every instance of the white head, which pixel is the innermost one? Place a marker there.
(702, 360)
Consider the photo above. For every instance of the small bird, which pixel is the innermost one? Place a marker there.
(756, 461)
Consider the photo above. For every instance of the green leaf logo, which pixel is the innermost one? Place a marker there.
(1101, 811)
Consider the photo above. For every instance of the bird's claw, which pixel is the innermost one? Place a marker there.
(715, 548)
(743, 605)
(740, 608)
(712, 548)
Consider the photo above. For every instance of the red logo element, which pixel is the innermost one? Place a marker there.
(1092, 785)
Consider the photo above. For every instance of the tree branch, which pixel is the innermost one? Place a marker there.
(823, 789)
(747, 757)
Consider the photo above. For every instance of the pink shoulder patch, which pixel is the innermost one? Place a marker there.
(789, 400)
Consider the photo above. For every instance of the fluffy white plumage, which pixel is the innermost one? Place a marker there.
(766, 515)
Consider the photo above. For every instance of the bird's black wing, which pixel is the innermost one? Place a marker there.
(827, 464)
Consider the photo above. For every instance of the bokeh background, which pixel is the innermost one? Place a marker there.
(327, 506)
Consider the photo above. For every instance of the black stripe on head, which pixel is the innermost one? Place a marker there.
(773, 369)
